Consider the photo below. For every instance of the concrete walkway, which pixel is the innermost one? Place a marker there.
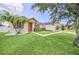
(54, 33)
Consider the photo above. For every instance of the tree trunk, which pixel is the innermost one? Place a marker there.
(76, 41)
(18, 30)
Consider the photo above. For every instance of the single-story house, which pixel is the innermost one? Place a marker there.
(68, 27)
(29, 26)
(46, 25)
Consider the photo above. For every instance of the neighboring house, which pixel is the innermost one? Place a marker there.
(47, 25)
(51, 25)
(68, 27)
(3, 27)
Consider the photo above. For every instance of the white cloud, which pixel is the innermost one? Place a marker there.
(13, 8)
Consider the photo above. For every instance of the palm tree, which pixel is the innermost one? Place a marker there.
(16, 21)
(20, 21)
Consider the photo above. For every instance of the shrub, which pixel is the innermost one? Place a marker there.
(41, 29)
(62, 27)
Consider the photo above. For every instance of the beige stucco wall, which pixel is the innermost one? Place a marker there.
(42, 26)
(4, 29)
(55, 25)
(49, 27)
(11, 29)
(54, 28)
(33, 26)
(25, 29)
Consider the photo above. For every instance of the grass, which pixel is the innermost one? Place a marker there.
(32, 44)
(71, 31)
(45, 32)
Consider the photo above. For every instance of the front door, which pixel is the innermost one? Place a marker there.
(30, 27)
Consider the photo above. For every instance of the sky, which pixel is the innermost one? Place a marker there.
(28, 12)
(24, 9)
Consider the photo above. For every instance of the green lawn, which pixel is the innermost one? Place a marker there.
(45, 32)
(30, 43)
